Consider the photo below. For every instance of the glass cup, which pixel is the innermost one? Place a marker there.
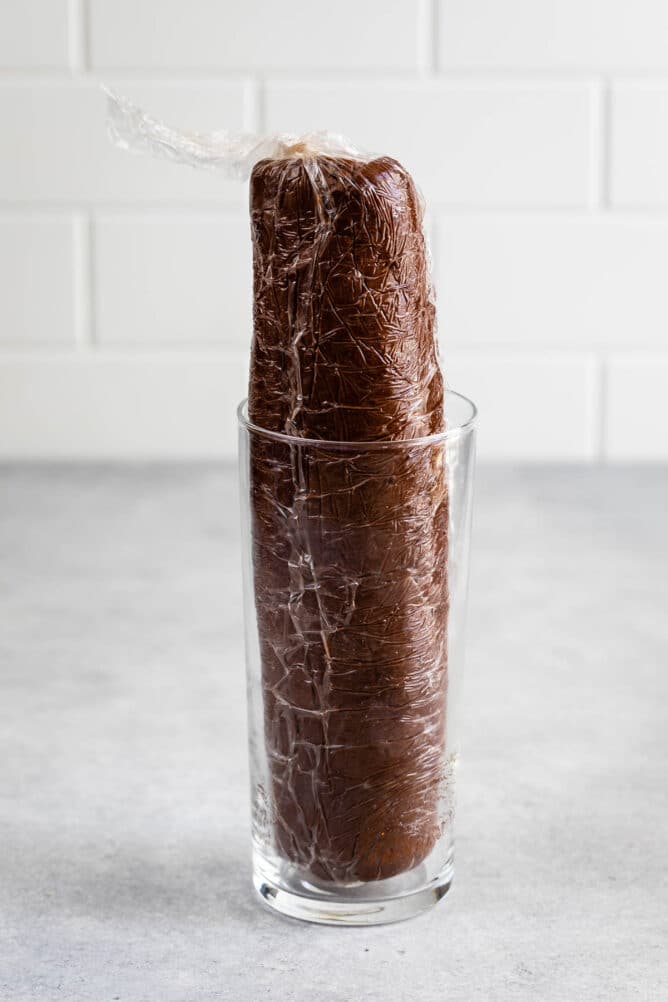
(355, 567)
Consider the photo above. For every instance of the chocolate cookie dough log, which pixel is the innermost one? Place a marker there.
(350, 547)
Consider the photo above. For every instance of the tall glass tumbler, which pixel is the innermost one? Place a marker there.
(355, 568)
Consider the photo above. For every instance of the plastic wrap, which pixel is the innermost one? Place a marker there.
(349, 551)
(232, 154)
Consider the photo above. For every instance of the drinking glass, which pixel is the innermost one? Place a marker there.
(355, 568)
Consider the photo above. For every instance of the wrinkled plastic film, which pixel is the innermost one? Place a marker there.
(232, 154)
(350, 549)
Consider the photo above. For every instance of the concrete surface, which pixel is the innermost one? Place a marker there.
(124, 846)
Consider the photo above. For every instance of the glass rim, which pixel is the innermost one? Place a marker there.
(453, 432)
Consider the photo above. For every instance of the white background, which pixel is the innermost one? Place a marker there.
(538, 130)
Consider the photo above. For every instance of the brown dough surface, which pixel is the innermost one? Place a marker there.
(349, 546)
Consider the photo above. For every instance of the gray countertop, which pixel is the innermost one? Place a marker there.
(124, 841)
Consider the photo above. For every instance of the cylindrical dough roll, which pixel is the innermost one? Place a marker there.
(349, 547)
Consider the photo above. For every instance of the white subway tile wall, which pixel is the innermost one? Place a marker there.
(552, 281)
(34, 34)
(636, 406)
(537, 129)
(259, 35)
(172, 279)
(522, 392)
(639, 131)
(468, 144)
(585, 35)
(55, 148)
(37, 265)
(120, 405)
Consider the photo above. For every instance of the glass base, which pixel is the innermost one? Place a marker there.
(286, 889)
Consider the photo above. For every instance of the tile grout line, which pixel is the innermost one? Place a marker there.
(605, 144)
(496, 352)
(595, 151)
(84, 335)
(427, 61)
(601, 392)
(78, 38)
(193, 350)
(259, 124)
(435, 29)
(211, 204)
(80, 63)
